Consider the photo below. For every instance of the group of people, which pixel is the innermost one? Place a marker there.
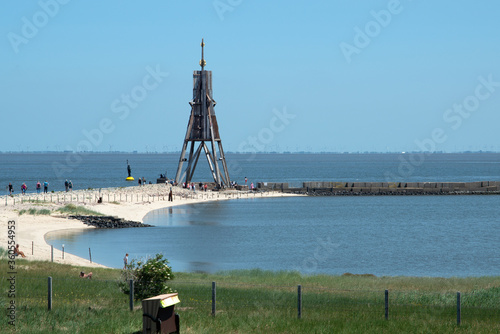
(24, 187)
(192, 186)
(142, 181)
(68, 185)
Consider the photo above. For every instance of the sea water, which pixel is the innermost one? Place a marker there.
(382, 235)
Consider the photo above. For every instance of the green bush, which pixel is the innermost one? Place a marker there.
(150, 277)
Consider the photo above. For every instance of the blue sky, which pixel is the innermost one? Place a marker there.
(287, 75)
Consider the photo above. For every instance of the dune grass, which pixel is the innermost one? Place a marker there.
(252, 301)
(72, 209)
(35, 212)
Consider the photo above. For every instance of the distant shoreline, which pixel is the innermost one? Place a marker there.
(260, 152)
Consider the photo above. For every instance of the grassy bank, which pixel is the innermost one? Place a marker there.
(253, 301)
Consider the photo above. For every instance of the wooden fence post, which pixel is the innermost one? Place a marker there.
(386, 304)
(51, 253)
(90, 256)
(50, 293)
(131, 301)
(459, 311)
(213, 298)
(299, 301)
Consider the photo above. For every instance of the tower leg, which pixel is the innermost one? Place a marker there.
(224, 165)
(211, 162)
(190, 162)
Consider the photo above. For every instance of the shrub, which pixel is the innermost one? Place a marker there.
(150, 277)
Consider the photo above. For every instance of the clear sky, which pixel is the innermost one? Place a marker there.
(338, 76)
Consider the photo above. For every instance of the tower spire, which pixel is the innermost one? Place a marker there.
(202, 61)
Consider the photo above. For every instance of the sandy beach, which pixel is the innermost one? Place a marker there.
(130, 203)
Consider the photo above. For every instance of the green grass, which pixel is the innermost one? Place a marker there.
(253, 301)
(34, 211)
(72, 209)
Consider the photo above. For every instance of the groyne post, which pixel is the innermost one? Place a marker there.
(459, 311)
(51, 253)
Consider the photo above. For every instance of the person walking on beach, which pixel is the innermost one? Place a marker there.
(143, 181)
(66, 185)
(170, 196)
(23, 188)
(45, 187)
(11, 188)
(70, 185)
(38, 187)
(205, 186)
(125, 261)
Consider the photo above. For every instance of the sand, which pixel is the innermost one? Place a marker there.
(131, 203)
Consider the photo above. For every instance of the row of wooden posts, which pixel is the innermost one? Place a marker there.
(93, 198)
(214, 298)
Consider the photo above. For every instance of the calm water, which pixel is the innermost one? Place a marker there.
(417, 235)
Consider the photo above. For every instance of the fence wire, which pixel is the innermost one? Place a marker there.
(231, 298)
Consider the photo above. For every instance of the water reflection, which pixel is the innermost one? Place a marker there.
(377, 235)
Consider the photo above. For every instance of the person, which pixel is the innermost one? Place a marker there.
(84, 275)
(125, 261)
(251, 186)
(170, 196)
(129, 170)
(45, 187)
(38, 187)
(23, 188)
(70, 185)
(246, 180)
(205, 186)
(11, 188)
(66, 185)
(143, 181)
(139, 181)
(18, 252)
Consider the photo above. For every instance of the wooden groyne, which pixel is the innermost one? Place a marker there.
(386, 188)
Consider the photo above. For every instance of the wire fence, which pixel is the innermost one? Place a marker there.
(123, 196)
(291, 301)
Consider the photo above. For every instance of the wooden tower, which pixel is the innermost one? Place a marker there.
(202, 128)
